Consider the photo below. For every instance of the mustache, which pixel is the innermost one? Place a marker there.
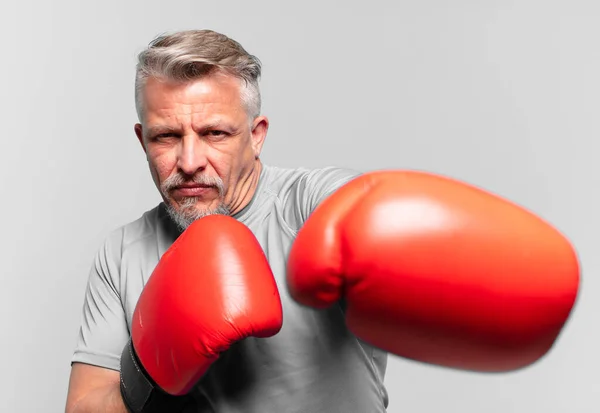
(177, 180)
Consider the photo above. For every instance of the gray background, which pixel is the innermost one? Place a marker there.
(502, 94)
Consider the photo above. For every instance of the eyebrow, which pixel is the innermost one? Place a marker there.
(158, 129)
(218, 124)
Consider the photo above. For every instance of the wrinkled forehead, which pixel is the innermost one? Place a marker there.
(210, 94)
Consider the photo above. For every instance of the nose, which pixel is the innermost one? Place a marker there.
(192, 155)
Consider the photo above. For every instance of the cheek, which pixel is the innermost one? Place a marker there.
(229, 163)
(162, 164)
(223, 165)
(244, 152)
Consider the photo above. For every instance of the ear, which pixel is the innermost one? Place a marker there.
(140, 135)
(260, 126)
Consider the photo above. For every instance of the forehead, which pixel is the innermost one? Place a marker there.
(214, 93)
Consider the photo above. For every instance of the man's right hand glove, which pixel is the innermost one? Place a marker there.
(212, 288)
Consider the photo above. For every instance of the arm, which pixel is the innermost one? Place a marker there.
(94, 389)
(94, 379)
(163, 360)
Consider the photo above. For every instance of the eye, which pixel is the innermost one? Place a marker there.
(215, 133)
(163, 136)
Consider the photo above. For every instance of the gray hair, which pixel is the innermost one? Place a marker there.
(192, 54)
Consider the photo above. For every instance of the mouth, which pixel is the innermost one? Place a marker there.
(193, 190)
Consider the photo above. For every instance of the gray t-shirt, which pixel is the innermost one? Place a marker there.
(313, 365)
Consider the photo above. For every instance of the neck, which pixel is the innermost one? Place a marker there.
(248, 185)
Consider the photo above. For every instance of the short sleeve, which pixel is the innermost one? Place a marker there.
(103, 331)
(321, 183)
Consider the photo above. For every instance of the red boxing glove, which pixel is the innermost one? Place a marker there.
(212, 288)
(437, 271)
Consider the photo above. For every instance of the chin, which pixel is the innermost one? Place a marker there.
(185, 212)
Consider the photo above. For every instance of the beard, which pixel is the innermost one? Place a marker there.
(186, 211)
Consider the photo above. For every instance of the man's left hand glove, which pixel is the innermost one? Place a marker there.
(437, 271)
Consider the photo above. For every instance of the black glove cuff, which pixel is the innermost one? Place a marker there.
(140, 394)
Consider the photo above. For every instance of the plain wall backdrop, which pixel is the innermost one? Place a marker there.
(501, 94)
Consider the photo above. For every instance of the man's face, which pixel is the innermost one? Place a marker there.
(201, 146)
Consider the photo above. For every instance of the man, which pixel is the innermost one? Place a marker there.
(200, 125)
(203, 140)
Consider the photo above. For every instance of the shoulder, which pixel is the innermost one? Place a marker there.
(298, 191)
(322, 182)
(280, 180)
(120, 239)
(330, 177)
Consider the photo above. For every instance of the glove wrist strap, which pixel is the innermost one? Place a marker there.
(140, 394)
